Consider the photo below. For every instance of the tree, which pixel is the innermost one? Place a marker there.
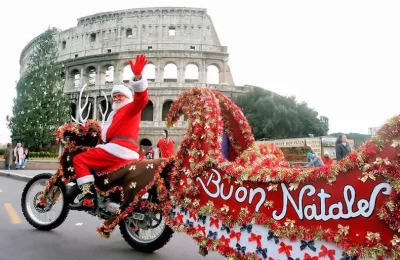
(273, 116)
(40, 105)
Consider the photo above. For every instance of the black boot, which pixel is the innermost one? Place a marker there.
(88, 201)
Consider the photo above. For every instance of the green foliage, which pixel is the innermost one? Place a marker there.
(40, 106)
(43, 155)
(359, 139)
(2, 151)
(273, 116)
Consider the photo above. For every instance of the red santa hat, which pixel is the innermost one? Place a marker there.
(124, 90)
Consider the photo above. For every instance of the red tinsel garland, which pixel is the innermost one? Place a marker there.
(200, 148)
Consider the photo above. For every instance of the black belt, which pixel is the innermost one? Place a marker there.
(122, 138)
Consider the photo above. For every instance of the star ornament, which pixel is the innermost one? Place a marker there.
(225, 208)
(366, 176)
(269, 204)
(344, 230)
(290, 223)
(373, 236)
(196, 203)
(395, 143)
(273, 187)
(395, 241)
(293, 186)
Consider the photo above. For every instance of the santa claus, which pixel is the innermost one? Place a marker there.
(120, 133)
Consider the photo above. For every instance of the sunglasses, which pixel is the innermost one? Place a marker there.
(118, 96)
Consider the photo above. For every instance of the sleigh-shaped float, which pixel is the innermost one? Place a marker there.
(249, 204)
(244, 202)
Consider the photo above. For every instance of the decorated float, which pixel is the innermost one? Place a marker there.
(236, 196)
(248, 204)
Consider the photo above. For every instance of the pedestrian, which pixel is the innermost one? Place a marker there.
(18, 155)
(314, 160)
(166, 145)
(8, 157)
(342, 147)
(150, 153)
(326, 158)
(26, 157)
(141, 152)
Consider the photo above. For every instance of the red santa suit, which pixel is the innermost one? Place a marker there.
(120, 134)
(166, 146)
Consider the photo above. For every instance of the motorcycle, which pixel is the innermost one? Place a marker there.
(47, 199)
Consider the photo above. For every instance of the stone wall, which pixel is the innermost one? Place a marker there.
(97, 50)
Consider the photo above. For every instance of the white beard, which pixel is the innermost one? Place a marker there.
(117, 106)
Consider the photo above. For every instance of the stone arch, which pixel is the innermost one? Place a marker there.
(74, 78)
(127, 73)
(191, 73)
(107, 74)
(213, 74)
(86, 110)
(73, 109)
(129, 32)
(147, 113)
(88, 75)
(149, 72)
(63, 75)
(103, 105)
(146, 143)
(165, 108)
(170, 72)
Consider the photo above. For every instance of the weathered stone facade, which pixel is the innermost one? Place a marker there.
(97, 50)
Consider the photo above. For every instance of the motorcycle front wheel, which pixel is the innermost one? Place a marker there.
(44, 217)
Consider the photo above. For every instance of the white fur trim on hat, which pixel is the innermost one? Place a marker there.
(140, 85)
(123, 90)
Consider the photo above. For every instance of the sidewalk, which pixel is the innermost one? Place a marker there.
(23, 174)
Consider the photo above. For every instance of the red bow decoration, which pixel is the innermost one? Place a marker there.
(254, 237)
(224, 241)
(179, 218)
(308, 257)
(214, 222)
(325, 252)
(192, 215)
(201, 229)
(285, 249)
(236, 235)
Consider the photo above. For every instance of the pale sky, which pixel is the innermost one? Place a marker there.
(341, 57)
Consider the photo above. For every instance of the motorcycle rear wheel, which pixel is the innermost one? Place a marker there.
(29, 204)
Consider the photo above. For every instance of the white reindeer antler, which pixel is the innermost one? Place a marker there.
(103, 115)
(80, 120)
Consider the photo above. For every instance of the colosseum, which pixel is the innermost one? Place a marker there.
(182, 47)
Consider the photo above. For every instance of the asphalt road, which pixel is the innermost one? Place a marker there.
(75, 239)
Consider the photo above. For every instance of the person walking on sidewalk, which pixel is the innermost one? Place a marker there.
(26, 157)
(19, 155)
(8, 156)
